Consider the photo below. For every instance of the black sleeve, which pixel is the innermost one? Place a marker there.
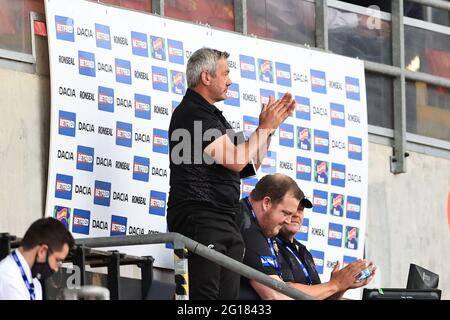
(257, 252)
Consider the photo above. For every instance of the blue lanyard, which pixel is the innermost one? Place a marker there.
(30, 286)
(269, 240)
(302, 266)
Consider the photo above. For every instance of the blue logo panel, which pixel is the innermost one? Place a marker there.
(86, 63)
(160, 141)
(142, 106)
(250, 125)
(160, 79)
(321, 141)
(265, 70)
(269, 163)
(64, 28)
(123, 71)
(178, 82)
(283, 73)
(139, 45)
(63, 186)
(81, 221)
(304, 138)
(247, 66)
(158, 48)
(124, 134)
(141, 168)
(354, 148)
(352, 88)
(348, 260)
(67, 123)
(233, 96)
(157, 203)
(118, 226)
(318, 81)
(303, 108)
(105, 99)
(321, 171)
(338, 175)
(85, 158)
(102, 193)
(102, 36)
(335, 235)
(318, 257)
(286, 134)
(302, 235)
(353, 208)
(304, 168)
(62, 214)
(337, 115)
(320, 201)
(351, 237)
(337, 204)
(248, 184)
(175, 104)
(176, 54)
(265, 94)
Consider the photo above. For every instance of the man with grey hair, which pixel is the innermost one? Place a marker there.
(206, 165)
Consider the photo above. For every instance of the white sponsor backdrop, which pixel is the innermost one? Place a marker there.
(116, 75)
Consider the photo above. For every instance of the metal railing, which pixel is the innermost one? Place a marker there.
(181, 243)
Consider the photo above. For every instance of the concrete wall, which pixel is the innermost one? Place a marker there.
(407, 214)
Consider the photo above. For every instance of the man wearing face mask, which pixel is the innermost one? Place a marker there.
(43, 248)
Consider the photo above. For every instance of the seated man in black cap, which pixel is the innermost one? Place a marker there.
(298, 267)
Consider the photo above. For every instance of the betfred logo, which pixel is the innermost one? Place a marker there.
(123, 71)
(175, 49)
(352, 88)
(335, 235)
(303, 168)
(338, 175)
(63, 186)
(64, 28)
(265, 70)
(102, 36)
(62, 214)
(139, 46)
(321, 171)
(286, 135)
(320, 201)
(302, 108)
(141, 168)
(142, 106)
(86, 63)
(160, 141)
(269, 163)
(157, 203)
(318, 81)
(118, 226)
(233, 95)
(81, 221)
(347, 260)
(319, 258)
(158, 48)
(105, 99)
(265, 94)
(337, 115)
(354, 148)
(102, 193)
(283, 74)
(175, 104)
(124, 134)
(337, 204)
(85, 158)
(67, 123)
(353, 208)
(304, 138)
(159, 79)
(321, 141)
(302, 235)
(351, 237)
(248, 184)
(250, 125)
(247, 66)
(178, 82)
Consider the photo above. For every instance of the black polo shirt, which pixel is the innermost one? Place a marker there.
(291, 270)
(199, 186)
(258, 253)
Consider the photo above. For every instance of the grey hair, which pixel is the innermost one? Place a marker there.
(204, 59)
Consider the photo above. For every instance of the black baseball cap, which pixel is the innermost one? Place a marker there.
(306, 203)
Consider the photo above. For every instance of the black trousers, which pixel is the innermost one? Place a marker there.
(208, 280)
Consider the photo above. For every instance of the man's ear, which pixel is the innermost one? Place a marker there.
(205, 78)
(266, 203)
(42, 252)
